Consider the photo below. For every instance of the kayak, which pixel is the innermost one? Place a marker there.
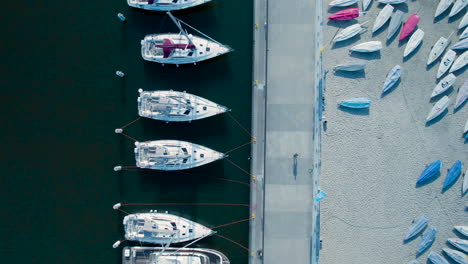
(395, 23)
(357, 103)
(370, 46)
(430, 171)
(444, 85)
(456, 255)
(392, 77)
(437, 50)
(414, 42)
(460, 62)
(446, 62)
(462, 95)
(345, 14)
(457, 7)
(438, 108)
(459, 243)
(409, 26)
(453, 174)
(383, 16)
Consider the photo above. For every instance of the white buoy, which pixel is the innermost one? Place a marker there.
(121, 17)
(117, 168)
(120, 74)
(116, 244)
(118, 131)
(140, 90)
(116, 206)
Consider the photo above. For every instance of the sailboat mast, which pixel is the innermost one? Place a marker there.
(180, 27)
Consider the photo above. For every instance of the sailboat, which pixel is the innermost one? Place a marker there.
(165, 5)
(181, 48)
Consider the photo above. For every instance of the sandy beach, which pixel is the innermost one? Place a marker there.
(372, 159)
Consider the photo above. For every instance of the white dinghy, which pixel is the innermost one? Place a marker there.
(180, 48)
(442, 7)
(341, 3)
(349, 32)
(438, 108)
(463, 229)
(456, 255)
(457, 7)
(464, 131)
(446, 62)
(438, 49)
(395, 23)
(443, 85)
(456, 242)
(165, 5)
(383, 17)
(414, 42)
(462, 95)
(391, 2)
(370, 46)
(464, 21)
(460, 62)
(366, 4)
(464, 34)
(173, 106)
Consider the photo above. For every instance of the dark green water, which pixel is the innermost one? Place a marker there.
(61, 102)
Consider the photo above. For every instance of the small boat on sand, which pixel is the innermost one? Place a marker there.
(345, 14)
(438, 49)
(349, 32)
(165, 5)
(427, 239)
(436, 258)
(465, 183)
(442, 7)
(462, 95)
(453, 174)
(341, 3)
(460, 62)
(414, 42)
(463, 22)
(444, 85)
(395, 23)
(409, 26)
(172, 255)
(464, 34)
(392, 77)
(383, 16)
(356, 103)
(462, 230)
(370, 46)
(457, 7)
(459, 243)
(417, 226)
(456, 255)
(438, 108)
(391, 2)
(430, 171)
(461, 45)
(446, 62)
(413, 262)
(351, 66)
(466, 127)
(366, 4)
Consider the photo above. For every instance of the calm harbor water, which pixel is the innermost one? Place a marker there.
(61, 103)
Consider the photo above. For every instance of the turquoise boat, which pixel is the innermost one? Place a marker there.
(357, 103)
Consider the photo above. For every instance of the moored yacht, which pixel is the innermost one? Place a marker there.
(173, 155)
(165, 5)
(162, 228)
(172, 106)
(159, 255)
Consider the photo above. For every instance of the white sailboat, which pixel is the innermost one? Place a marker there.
(446, 62)
(442, 6)
(438, 108)
(460, 62)
(349, 32)
(443, 85)
(370, 46)
(180, 48)
(414, 42)
(457, 7)
(438, 49)
(165, 5)
(383, 16)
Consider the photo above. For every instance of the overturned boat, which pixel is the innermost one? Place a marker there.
(392, 77)
(395, 23)
(444, 85)
(349, 32)
(417, 226)
(180, 48)
(165, 5)
(168, 255)
(462, 230)
(356, 103)
(437, 49)
(427, 239)
(456, 255)
(366, 47)
(413, 42)
(162, 228)
(382, 18)
(173, 155)
(173, 106)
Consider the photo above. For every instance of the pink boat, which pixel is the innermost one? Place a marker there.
(409, 26)
(345, 14)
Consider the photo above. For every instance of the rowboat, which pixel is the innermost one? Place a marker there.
(366, 4)
(414, 42)
(442, 6)
(345, 14)
(464, 34)
(395, 23)
(417, 226)
(462, 229)
(370, 46)
(460, 62)
(392, 77)
(456, 255)
(357, 103)
(438, 49)
(351, 66)
(453, 174)
(462, 94)
(465, 181)
(446, 62)
(444, 85)
(383, 17)
(341, 3)
(349, 32)
(463, 22)
(438, 108)
(165, 5)
(430, 171)
(427, 239)
(391, 2)
(457, 7)
(409, 26)
(436, 258)
(461, 45)
(459, 243)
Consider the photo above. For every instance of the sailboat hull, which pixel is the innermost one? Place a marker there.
(165, 5)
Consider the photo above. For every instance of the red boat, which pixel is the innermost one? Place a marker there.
(345, 14)
(409, 26)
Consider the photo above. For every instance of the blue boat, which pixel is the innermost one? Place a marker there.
(453, 174)
(392, 78)
(436, 258)
(461, 45)
(357, 103)
(430, 171)
(427, 240)
(417, 226)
